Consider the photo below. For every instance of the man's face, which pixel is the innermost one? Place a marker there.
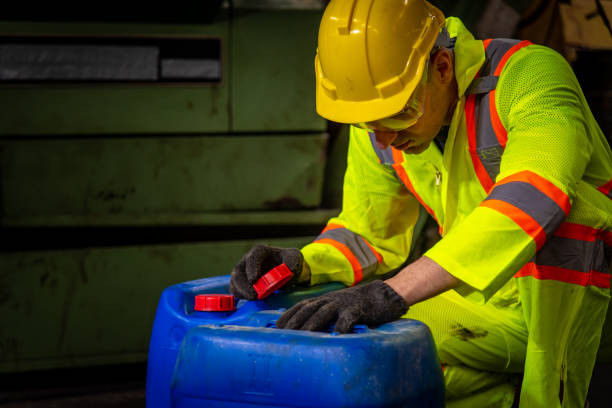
(439, 101)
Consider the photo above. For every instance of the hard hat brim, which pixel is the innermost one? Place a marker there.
(343, 111)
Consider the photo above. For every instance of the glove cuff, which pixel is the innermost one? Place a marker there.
(391, 297)
(293, 258)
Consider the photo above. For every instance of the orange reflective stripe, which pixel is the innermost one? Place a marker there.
(486, 43)
(508, 54)
(364, 259)
(576, 231)
(544, 272)
(375, 252)
(542, 184)
(601, 280)
(332, 226)
(498, 127)
(470, 121)
(496, 123)
(357, 268)
(606, 188)
(398, 159)
(521, 218)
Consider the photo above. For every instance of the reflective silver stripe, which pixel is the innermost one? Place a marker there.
(384, 156)
(574, 254)
(532, 201)
(444, 40)
(487, 146)
(367, 259)
(495, 52)
(482, 85)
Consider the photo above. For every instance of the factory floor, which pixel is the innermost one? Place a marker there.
(124, 387)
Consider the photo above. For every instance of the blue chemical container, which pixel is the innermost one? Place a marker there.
(240, 359)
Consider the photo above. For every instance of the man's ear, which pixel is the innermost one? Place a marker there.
(443, 65)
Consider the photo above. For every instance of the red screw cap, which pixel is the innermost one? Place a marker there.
(214, 303)
(271, 281)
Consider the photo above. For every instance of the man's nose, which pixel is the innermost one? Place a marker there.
(384, 139)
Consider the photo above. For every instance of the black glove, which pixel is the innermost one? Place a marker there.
(257, 262)
(372, 304)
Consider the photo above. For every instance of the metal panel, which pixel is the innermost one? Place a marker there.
(96, 306)
(191, 68)
(76, 109)
(273, 70)
(111, 109)
(175, 175)
(77, 62)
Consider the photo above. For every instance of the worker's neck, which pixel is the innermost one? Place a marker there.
(452, 97)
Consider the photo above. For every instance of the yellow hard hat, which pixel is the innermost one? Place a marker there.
(371, 56)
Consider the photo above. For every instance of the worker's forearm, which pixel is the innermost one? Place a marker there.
(422, 280)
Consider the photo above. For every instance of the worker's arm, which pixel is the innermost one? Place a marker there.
(373, 233)
(422, 280)
(373, 303)
(371, 236)
(549, 145)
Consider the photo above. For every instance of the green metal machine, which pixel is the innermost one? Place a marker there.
(135, 155)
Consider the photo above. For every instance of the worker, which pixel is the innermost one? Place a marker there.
(496, 141)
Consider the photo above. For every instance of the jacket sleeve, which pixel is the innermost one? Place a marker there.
(373, 233)
(542, 108)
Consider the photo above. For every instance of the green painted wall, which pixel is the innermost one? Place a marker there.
(96, 306)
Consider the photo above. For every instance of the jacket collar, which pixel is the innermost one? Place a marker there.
(469, 53)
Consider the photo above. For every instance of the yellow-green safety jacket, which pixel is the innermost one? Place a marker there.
(522, 190)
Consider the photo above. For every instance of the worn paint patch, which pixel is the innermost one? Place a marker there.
(284, 203)
(467, 334)
(108, 195)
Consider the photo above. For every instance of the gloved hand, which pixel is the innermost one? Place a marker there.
(372, 304)
(257, 262)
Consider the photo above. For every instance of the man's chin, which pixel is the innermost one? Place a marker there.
(416, 149)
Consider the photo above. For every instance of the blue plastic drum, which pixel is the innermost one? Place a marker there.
(240, 359)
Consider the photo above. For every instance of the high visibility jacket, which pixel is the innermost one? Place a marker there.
(522, 190)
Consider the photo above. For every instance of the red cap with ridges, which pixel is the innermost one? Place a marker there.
(214, 303)
(272, 280)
